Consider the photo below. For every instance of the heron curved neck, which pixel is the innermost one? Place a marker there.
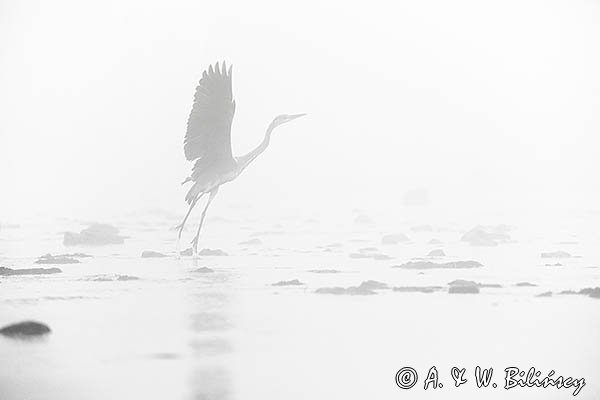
(246, 159)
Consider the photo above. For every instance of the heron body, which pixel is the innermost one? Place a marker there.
(208, 140)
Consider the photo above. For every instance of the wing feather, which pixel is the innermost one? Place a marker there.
(208, 132)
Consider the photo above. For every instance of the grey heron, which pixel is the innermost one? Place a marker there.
(208, 141)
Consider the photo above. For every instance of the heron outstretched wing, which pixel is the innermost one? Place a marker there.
(208, 133)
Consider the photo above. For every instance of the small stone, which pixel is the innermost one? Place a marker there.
(152, 254)
(25, 329)
(486, 235)
(462, 282)
(432, 265)
(203, 270)
(463, 290)
(417, 289)
(58, 259)
(127, 278)
(373, 285)
(28, 271)
(294, 282)
(187, 252)
(94, 235)
(592, 292)
(353, 291)
(568, 292)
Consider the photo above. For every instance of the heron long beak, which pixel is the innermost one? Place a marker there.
(294, 116)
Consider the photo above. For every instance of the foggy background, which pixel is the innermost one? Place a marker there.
(485, 105)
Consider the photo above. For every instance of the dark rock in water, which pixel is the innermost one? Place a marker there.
(556, 254)
(463, 289)
(592, 292)
(486, 235)
(462, 282)
(152, 254)
(25, 329)
(525, 284)
(58, 259)
(94, 235)
(545, 294)
(352, 291)
(595, 293)
(28, 271)
(187, 252)
(331, 290)
(74, 255)
(394, 238)
(203, 270)
(211, 252)
(294, 282)
(373, 285)
(112, 278)
(416, 289)
(324, 271)
(432, 265)
(568, 292)
(436, 253)
(252, 242)
(127, 278)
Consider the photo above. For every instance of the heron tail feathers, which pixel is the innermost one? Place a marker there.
(193, 193)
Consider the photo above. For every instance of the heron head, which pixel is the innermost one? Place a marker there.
(283, 118)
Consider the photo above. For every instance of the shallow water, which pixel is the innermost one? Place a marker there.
(181, 334)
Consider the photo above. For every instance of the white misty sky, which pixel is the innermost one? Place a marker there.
(485, 104)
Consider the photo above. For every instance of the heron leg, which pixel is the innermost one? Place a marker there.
(180, 226)
(212, 195)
